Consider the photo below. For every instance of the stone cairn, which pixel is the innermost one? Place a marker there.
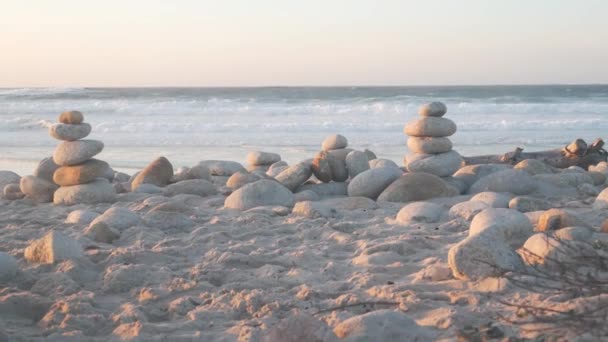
(80, 177)
(429, 143)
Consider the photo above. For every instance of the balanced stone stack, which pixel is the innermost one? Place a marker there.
(79, 176)
(429, 143)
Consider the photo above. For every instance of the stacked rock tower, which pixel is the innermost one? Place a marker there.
(79, 176)
(429, 143)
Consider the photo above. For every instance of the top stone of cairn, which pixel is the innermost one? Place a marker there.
(334, 142)
(436, 109)
(71, 117)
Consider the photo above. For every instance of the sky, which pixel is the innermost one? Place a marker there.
(122, 43)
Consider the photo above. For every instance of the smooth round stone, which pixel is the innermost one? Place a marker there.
(38, 189)
(295, 175)
(80, 174)
(76, 152)
(517, 182)
(159, 172)
(69, 132)
(240, 178)
(259, 158)
(442, 165)
(424, 212)
(334, 142)
(371, 183)
(45, 169)
(321, 166)
(356, 162)
(430, 127)
(436, 109)
(71, 117)
(414, 187)
(337, 163)
(8, 177)
(222, 167)
(8, 266)
(12, 192)
(429, 145)
(98, 191)
(261, 193)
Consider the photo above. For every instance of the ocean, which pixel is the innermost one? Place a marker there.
(191, 124)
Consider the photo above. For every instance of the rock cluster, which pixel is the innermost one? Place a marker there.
(429, 143)
(79, 176)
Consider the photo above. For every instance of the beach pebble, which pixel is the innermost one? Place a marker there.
(418, 186)
(199, 187)
(82, 216)
(506, 225)
(356, 162)
(45, 169)
(554, 219)
(8, 177)
(334, 142)
(467, 210)
(53, 247)
(37, 189)
(436, 109)
(493, 199)
(325, 189)
(349, 203)
(430, 127)
(380, 162)
(117, 218)
(222, 167)
(420, 212)
(69, 132)
(241, 178)
(470, 174)
(371, 183)
(300, 327)
(517, 182)
(81, 173)
(159, 172)
(8, 266)
(480, 256)
(306, 195)
(337, 164)
(526, 204)
(295, 175)
(321, 166)
(100, 232)
(261, 193)
(12, 192)
(429, 145)
(71, 117)
(313, 210)
(442, 164)
(98, 191)
(381, 325)
(76, 152)
(533, 167)
(259, 158)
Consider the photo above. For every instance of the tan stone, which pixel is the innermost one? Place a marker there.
(71, 117)
(158, 172)
(80, 174)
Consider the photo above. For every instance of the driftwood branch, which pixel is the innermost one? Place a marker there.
(577, 153)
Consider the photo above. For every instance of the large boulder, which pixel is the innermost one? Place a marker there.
(158, 173)
(356, 162)
(98, 191)
(259, 158)
(334, 142)
(37, 189)
(261, 193)
(442, 164)
(418, 186)
(430, 127)
(429, 145)
(371, 183)
(470, 174)
(222, 167)
(199, 187)
(382, 325)
(420, 212)
(517, 182)
(505, 225)
(76, 152)
(53, 247)
(69, 132)
(80, 174)
(295, 175)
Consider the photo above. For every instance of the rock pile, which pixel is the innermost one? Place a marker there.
(429, 143)
(79, 176)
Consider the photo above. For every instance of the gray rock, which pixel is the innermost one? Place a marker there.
(554, 219)
(69, 132)
(45, 169)
(261, 193)
(472, 173)
(9, 177)
(259, 158)
(561, 180)
(71, 117)
(321, 166)
(81, 216)
(370, 154)
(295, 175)
(542, 249)
(12, 192)
(379, 162)
(456, 183)
(100, 232)
(306, 195)
(436, 109)
(98, 191)
(76, 152)
(505, 225)
(8, 267)
(493, 199)
(414, 187)
(325, 189)
(148, 189)
(371, 183)
(222, 167)
(587, 190)
(356, 162)
(117, 218)
(534, 167)
(430, 127)
(526, 204)
(582, 234)
(442, 164)
(337, 164)
(159, 172)
(37, 189)
(382, 325)
(53, 247)
(420, 212)
(240, 178)
(467, 210)
(516, 182)
(199, 187)
(334, 142)
(429, 145)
